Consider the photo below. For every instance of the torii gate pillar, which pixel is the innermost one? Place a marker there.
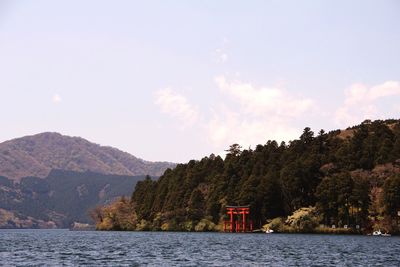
(240, 222)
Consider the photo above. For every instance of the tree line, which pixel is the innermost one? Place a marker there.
(349, 177)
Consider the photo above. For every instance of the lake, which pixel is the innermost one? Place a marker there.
(69, 248)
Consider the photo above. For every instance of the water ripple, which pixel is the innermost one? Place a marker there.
(62, 247)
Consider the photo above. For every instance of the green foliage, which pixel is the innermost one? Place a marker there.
(120, 215)
(303, 220)
(276, 224)
(205, 226)
(278, 180)
(142, 225)
(146, 200)
(391, 195)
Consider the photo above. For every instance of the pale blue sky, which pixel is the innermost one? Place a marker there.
(176, 80)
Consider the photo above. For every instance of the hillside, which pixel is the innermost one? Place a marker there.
(342, 178)
(60, 199)
(37, 155)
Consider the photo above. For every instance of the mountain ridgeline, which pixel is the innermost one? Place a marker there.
(50, 181)
(347, 178)
(37, 155)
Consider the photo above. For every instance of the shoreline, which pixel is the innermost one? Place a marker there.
(215, 232)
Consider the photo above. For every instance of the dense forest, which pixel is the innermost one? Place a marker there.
(346, 178)
(60, 199)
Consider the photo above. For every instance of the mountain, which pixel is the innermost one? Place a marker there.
(50, 180)
(37, 155)
(347, 178)
(60, 199)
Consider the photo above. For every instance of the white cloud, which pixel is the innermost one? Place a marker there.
(247, 115)
(361, 102)
(230, 127)
(259, 114)
(222, 56)
(264, 99)
(177, 106)
(389, 88)
(56, 98)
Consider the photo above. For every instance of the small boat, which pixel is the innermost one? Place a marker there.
(269, 231)
(377, 233)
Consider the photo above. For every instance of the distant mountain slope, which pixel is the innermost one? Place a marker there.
(60, 199)
(37, 155)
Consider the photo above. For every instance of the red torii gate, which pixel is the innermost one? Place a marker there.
(237, 224)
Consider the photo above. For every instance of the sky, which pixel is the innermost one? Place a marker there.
(179, 80)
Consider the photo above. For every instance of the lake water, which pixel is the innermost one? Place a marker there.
(68, 248)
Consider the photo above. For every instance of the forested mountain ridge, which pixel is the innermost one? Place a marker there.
(51, 180)
(37, 155)
(339, 178)
(60, 199)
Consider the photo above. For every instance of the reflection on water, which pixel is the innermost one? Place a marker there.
(63, 247)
